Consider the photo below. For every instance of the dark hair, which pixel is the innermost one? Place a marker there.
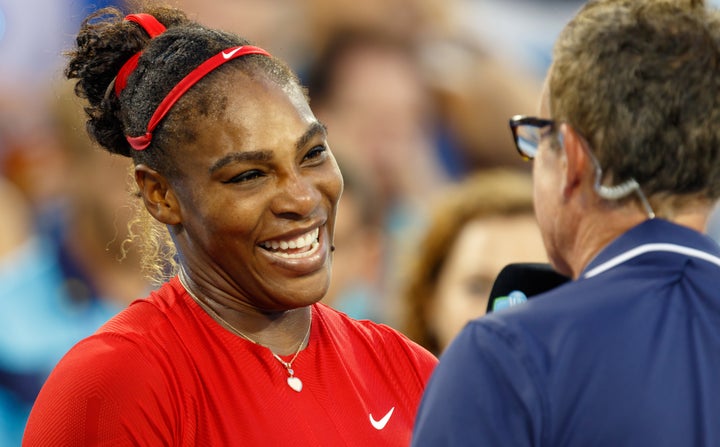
(106, 41)
(321, 75)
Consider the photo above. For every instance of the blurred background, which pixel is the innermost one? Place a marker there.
(416, 95)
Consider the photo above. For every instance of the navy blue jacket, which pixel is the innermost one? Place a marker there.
(627, 355)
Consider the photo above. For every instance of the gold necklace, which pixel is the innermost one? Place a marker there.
(292, 381)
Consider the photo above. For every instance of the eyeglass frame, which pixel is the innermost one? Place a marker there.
(607, 192)
(523, 120)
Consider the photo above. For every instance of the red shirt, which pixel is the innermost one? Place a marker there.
(164, 373)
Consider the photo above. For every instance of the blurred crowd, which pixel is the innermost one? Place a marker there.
(416, 95)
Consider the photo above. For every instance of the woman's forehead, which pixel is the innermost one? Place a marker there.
(258, 114)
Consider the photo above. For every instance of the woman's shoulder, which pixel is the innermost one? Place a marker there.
(336, 320)
(135, 340)
(120, 381)
(163, 307)
(135, 351)
(382, 338)
(144, 323)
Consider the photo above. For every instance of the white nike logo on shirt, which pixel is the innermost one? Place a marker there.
(379, 425)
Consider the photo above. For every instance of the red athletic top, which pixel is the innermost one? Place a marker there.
(164, 373)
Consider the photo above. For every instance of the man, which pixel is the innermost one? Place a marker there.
(626, 171)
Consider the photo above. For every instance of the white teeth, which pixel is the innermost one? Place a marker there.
(313, 248)
(309, 239)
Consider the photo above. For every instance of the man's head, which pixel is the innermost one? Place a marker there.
(627, 125)
(640, 81)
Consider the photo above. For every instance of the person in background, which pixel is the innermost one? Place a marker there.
(21, 372)
(62, 268)
(473, 82)
(368, 87)
(477, 227)
(93, 225)
(241, 190)
(355, 286)
(281, 26)
(626, 170)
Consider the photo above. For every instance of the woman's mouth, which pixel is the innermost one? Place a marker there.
(299, 247)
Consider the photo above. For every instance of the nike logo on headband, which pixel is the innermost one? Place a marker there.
(141, 142)
(229, 54)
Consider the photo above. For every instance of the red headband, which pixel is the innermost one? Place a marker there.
(143, 141)
(153, 28)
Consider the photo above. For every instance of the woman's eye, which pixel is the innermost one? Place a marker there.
(315, 152)
(245, 176)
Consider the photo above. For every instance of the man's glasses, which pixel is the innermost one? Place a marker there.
(528, 131)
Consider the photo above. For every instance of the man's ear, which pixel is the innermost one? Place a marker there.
(576, 159)
(158, 196)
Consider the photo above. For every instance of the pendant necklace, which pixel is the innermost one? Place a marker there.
(292, 381)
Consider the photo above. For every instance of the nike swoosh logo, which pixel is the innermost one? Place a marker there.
(229, 54)
(379, 425)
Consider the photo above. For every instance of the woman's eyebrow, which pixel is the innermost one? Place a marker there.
(316, 128)
(239, 157)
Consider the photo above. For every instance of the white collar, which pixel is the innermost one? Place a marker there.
(646, 248)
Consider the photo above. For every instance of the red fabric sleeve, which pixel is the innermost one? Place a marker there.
(100, 395)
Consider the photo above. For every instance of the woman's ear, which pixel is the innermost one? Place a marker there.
(158, 196)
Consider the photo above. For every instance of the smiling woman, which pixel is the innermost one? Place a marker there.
(234, 347)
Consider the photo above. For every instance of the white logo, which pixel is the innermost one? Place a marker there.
(230, 54)
(379, 425)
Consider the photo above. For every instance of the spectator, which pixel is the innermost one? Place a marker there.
(355, 286)
(368, 87)
(61, 267)
(476, 228)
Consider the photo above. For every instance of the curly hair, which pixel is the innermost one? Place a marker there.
(640, 80)
(104, 43)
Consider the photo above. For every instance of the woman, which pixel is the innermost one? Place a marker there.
(477, 227)
(235, 349)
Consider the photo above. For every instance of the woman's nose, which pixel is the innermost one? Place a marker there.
(296, 196)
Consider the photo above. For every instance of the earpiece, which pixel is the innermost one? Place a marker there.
(617, 191)
(614, 192)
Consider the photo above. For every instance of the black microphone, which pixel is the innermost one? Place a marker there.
(517, 282)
